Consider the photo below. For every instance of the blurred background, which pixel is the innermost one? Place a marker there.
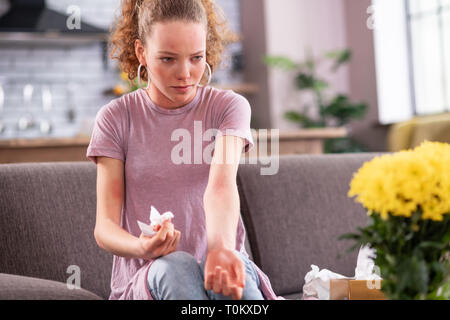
(334, 76)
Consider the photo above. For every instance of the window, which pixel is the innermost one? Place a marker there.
(429, 28)
(412, 53)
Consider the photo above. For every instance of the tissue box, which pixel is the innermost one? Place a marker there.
(347, 289)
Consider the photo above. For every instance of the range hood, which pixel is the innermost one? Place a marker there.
(32, 20)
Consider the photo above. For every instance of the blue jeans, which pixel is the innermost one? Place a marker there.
(178, 276)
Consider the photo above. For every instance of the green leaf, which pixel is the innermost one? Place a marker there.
(412, 275)
(445, 290)
(344, 110)
(432, 244)
(349, 236)
(340, 57)
(304, 81)
(281, 62)
(319, 85)
(308, 81)
(296, 117)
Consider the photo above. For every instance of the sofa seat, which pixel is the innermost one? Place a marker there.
(15, 287)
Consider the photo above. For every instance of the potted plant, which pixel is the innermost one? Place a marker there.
(335, 111)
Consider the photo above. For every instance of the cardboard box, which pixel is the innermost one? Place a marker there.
(347, 289)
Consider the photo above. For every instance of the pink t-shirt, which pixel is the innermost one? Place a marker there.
(167, 156)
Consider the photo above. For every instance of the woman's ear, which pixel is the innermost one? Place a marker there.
(140, 51)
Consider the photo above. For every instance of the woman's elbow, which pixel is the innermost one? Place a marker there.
(97, 236)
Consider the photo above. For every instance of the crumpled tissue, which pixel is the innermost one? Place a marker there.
(317, 282)
(155, 219)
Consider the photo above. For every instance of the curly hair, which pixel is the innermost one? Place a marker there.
(138, 16)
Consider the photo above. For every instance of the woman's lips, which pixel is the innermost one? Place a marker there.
(182, 89)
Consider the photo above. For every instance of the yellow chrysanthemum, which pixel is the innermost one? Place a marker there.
(398, 184)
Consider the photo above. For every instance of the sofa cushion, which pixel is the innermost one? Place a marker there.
(293, 218)
(47, 219)
(14, 287)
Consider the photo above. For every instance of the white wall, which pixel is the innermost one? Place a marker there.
(291, 27)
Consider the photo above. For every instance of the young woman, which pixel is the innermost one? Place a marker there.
(151, 148)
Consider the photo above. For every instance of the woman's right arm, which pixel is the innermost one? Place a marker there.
(108, 233)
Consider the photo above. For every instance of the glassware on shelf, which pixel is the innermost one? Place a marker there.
(26, 121)
(45, 124)
(71, 112)
(2, 105)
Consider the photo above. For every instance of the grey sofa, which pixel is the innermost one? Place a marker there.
(292, 218)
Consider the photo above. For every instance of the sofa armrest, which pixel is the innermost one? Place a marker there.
(15, 287)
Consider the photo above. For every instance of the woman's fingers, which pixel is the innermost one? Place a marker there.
(166, 229)
(209, 281)
(174, 242)
(217, 284)
(236, 292)
(226, 290)
(239, 274)
(238, 281)
(166, 246)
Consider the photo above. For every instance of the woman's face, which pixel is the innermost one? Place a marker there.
(175, 57)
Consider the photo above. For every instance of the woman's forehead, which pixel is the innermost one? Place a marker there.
(178, 37)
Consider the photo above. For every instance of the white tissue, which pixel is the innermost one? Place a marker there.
(366, 269)
(365, 266)
(317, 282)
(155, 219)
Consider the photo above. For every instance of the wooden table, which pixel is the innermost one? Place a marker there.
(301, 141)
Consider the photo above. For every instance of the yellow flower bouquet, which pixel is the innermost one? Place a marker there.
(407, 197)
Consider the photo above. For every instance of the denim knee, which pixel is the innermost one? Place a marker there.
(176, 276)
(249, 269)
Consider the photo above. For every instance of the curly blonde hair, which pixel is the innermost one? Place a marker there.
(138, 16)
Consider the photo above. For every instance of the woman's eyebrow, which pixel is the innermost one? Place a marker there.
(174, 54)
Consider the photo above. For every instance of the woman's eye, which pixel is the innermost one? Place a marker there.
(166, 59)
(198, 58)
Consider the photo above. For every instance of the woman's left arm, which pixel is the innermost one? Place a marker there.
(224, 271)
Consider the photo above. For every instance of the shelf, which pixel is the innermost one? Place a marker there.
(43, 143)
(241, 88)
(308, 134)
(51, 38)
(309, 141)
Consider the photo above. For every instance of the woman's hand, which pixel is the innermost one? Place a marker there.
(161, 244)
(224, 273)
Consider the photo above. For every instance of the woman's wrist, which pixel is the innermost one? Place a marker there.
(138, 250)
(218, 242)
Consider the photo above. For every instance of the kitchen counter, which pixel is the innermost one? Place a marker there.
(43, 142)
(43, 149)
(74, 149)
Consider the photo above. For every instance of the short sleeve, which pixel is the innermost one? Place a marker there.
(235, 120)
(108, 134)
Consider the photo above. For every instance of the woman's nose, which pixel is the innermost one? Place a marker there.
(184, 70)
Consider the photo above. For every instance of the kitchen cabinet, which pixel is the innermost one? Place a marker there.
(43, 150)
